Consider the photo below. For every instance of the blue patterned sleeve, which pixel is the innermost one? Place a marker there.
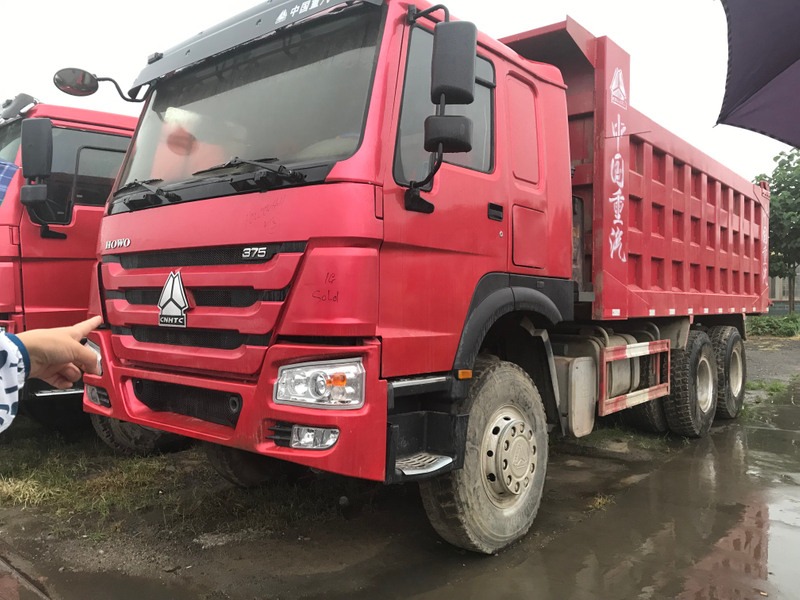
(12, 378)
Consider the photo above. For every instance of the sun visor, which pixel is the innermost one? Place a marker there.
(257, 22)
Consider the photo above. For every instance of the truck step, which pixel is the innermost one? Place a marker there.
(422, 463)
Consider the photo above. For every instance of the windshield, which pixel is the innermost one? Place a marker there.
(299, 96)
(9, 146)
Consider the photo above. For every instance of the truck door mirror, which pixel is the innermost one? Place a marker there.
(37, 148)
(451, 133)
(453, 69)
(76, 82)
(37, 165)
(455, 45)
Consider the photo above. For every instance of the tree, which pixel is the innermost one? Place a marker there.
(784, 219)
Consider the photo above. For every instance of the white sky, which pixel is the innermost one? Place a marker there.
(678, 53)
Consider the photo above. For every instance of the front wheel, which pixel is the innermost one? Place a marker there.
(136, 440)
(493, 500)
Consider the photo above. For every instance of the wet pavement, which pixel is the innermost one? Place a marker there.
(714, 519)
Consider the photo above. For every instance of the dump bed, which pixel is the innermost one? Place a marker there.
(667, 230)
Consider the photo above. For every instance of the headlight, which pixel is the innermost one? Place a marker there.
(96, 349)
(333, 384)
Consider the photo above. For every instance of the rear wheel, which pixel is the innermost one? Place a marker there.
(731, 371)
(493, 500)
(136, 440)
(692, 402)
(248, 469)
(649, 416)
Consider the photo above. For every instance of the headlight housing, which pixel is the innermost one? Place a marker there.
(335, 384)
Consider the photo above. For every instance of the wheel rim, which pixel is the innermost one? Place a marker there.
(510, 457)
(704, 385)
(736, 373)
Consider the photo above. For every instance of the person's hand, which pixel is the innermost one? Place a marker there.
(58, 357)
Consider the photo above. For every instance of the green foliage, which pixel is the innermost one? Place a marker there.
(771, 387)
(788, 326)
(784, 222)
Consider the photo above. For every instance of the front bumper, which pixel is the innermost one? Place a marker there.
(359, 452)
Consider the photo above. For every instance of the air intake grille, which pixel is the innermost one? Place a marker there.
(213, 406)
(196, 338)
(220, 298)
(202, 257)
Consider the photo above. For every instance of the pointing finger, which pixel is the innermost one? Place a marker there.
(81, 330)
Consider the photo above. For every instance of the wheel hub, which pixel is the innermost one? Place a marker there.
(736, 373)
(509, 456)
(705, 384)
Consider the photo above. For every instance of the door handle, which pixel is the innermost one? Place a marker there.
(495, 212)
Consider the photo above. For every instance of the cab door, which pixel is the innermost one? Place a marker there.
(56, 267)
(432, 263)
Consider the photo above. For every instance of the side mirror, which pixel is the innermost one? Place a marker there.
(37, 148)
(76, 82)
(452, 83)
(453, 69)
(452, 134)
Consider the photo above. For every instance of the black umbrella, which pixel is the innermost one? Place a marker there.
(763, 89)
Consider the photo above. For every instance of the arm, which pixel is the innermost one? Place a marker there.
(54, 355)
(13, 371)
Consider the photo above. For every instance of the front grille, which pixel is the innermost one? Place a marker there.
(222, 408)
(197, 338)
(203, 257)
(218, 298)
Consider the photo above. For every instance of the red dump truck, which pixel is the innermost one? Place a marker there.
(48, 249)
(343, 240)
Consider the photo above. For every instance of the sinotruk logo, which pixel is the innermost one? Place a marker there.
(173, 304)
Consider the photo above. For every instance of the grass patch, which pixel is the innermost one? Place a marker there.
(748, 413)
(601, 502)
(788, 326)
(771, 387)
(91, 490)
(620, 433)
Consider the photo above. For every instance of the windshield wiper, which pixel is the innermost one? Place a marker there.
(266, 171)
(156, 191)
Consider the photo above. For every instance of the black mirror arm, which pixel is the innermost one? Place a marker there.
(414, 15)
(119, 90)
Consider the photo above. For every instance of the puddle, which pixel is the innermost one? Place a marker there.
(720, 520)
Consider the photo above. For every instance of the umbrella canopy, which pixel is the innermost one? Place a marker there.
(763, 88)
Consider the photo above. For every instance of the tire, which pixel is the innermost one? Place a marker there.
(649, 416)
(64, 415)
(136, 440)
(467, 507)
(248, 469)
(692, 403)
(731, 370)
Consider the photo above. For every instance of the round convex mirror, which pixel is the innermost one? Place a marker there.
(76, 82)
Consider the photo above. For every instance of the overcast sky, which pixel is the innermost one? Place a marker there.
(678, 53)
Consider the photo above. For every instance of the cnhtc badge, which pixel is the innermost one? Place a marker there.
(173, 303)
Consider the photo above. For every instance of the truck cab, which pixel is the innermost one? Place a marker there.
(47, 251)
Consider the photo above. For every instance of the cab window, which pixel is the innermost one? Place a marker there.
(412, 163)
(97, 158)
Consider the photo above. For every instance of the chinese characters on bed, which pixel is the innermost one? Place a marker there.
(619, 97)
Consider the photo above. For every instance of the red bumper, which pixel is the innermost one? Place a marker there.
(359, 452)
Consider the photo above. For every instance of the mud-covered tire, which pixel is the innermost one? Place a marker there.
(648, 417)
(692, 403)
(248, 469)
(731, 370)
(135, 440)
(461, 505)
